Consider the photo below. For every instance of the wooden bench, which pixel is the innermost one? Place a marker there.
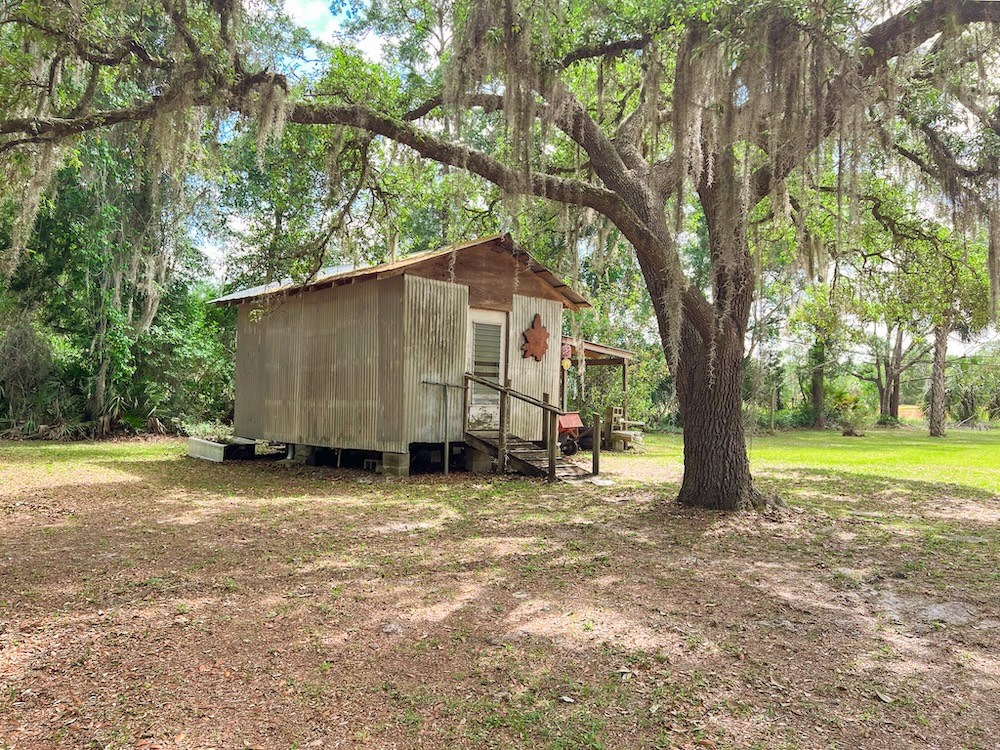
(619, 431)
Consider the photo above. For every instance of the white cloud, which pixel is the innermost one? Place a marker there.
(371, 47)
(215, 254)
(314, 15)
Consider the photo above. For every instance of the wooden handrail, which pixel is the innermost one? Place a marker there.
(515, 394)
(550, 420)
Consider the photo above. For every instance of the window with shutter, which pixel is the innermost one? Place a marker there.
(486, 358)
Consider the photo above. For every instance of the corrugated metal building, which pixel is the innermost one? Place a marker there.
(356, 358)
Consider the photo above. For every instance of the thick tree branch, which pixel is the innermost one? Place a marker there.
(116, 53)
(55, 128)
(571, 117)
(662, 176)
(37, 129)
(458, 155)
(606, 49)
(903, 32)
(179, 20)
(88, 94)
(424, 109)
(915, 25)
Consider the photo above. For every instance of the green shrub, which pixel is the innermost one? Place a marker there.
(217, 432)
(791, 418)
(25, 364)
(853, 413)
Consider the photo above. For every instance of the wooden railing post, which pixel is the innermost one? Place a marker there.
(447, 442)
(466, 402)
(596, 468)
(545, 420)
(552, 442)
(624, 390)
(503, 428)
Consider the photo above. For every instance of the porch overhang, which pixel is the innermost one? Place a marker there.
(598, 355)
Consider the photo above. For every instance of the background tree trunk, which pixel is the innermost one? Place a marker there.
(883, 390)
(896, 370)
(817, 358)
(937, 411)
(894, 397)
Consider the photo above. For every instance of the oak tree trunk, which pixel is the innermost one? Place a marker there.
(710, 393)
(96, 405)
(710, 358)
(883, 403)
(894, 398)
(937, 399)
(882, 386)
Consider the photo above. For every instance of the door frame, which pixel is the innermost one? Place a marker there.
(492, 317)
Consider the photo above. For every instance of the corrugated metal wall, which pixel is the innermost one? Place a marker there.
(344, 367)
(527, 375)
(435, 328)
(263, 385)
(325, 368)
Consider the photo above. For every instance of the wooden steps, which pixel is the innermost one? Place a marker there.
(526, 457)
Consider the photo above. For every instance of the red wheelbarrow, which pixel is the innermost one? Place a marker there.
(569, 426)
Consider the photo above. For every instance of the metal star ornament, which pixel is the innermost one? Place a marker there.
(536, 340)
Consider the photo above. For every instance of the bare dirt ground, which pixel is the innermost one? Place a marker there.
(152, 601)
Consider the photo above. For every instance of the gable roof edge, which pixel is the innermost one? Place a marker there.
(571, 298)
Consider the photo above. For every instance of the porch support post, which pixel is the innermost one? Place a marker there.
(545, 420)
(447, 443)
(624, 389)
(596, 454)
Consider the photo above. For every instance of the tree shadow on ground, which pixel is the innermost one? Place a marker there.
(246, 603)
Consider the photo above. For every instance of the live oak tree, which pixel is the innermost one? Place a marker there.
(961, 308)
(957, 295)
(913, 281)
(631, 112)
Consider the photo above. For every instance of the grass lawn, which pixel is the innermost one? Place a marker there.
(152, 601)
